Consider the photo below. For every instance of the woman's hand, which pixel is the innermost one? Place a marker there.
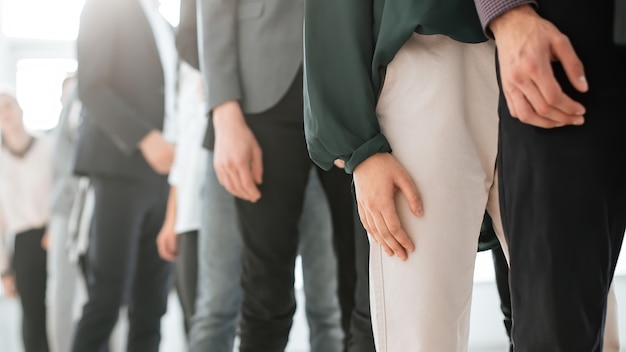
(376, 181)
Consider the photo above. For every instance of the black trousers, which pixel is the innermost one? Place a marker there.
(29, 266)
(361, 334)
(187, 274)
(501, 268)
(563, 196)
(123, 266)
(269, 227)
(337, 187)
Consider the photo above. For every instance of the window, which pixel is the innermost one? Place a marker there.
(170, 9)
(56, 19)
(41, 19)
(38, 88)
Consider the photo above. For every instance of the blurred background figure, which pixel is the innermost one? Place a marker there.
(127, 64)
(178, 239)
(25, 182)
(63, 274)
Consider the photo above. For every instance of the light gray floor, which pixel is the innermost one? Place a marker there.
(487, 333)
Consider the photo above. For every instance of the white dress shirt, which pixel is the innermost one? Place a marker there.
(190, 162)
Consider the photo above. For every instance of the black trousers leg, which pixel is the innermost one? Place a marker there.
(151, 283)
(563, 201)
(501, 268)
(187, 274)
(270, 226)
(337, 186)
(29, 265)
(362, 336)
(123, 265)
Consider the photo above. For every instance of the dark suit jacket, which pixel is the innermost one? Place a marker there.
(121, 86)
(187, 34)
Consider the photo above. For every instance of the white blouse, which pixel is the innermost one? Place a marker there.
(25, 185)
(190, 161)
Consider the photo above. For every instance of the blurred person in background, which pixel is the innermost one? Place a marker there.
(25, 184)
(127, 66)
(178, 239)
(63, 274)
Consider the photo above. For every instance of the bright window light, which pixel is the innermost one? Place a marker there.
(170, 9)
(41, 19)
(57, 19)
(38, 89)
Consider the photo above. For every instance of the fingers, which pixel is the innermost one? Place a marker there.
(564, 52)
(408, 188)
(532, 92)
(340, 163)
(239, 176)
(385, 228)
(372, 231)
(248, 187)
(549, 100)
(388, 235)
(167, 247)
(535, 97)
(257, 165)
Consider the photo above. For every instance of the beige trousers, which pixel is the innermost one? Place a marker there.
(438, 109)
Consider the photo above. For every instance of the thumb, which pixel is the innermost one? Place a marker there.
(410, 192)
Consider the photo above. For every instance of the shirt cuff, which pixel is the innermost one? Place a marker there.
(377, 144)
(488, 10)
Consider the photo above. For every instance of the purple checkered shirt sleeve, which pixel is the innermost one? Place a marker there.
(488, 10)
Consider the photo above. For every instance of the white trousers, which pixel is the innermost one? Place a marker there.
(438, 109)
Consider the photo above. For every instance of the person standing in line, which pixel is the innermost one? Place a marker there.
(178, 239)
(63, 274)
(127, 65)
(252, 58)
(561, 164)
(25, 186)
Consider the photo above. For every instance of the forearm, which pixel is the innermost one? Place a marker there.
(340, 101)
(170, 213)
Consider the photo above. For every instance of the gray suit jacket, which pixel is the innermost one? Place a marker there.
(65, 184)
(251, 51)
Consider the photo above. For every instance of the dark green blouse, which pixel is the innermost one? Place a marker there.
(347, 43)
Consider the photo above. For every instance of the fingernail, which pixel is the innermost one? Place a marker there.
(579, 121)
(583, 82)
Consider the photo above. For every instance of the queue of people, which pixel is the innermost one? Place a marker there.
(385, 142)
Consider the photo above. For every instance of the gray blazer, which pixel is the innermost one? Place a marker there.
(251, 50)
(65, 183)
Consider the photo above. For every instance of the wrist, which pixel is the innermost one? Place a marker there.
(512, 16)
(227, 113)
(146, 141)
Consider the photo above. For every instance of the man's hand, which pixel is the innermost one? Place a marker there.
(45, 240)
(158, 152)
(238, 158)
(340, 163)
(527, 45)
(167, 242)
(376, 181)
(8, 285)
